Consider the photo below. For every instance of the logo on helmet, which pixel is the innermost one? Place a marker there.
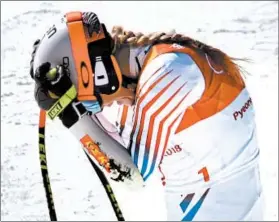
(84, 74)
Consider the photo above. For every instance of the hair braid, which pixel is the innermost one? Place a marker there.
(219, 58)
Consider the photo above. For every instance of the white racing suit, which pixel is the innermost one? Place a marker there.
(201, 138)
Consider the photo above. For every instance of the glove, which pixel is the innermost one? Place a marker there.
(51, 84)
(55, 80)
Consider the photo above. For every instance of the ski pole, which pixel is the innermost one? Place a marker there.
(44, 169)
(64, 101)
(108, 190)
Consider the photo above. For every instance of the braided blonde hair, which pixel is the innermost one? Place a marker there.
(219, 58)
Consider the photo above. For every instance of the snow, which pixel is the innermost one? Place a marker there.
(242, 29)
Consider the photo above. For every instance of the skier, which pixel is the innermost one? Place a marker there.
(184, 110)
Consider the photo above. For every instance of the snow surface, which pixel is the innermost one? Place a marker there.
(242, 29)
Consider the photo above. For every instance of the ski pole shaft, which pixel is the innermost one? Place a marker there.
(63, 102)
(44, 169)
(108, 190)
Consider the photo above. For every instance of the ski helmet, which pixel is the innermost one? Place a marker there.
(84, 47)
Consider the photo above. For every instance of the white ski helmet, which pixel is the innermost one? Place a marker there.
(85, 50)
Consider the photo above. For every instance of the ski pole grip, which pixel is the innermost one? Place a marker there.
(62, 103)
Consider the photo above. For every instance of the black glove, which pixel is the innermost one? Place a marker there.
(55, 80)
(49, 88)
(50, 85)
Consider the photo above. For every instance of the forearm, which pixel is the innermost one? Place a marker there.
(105, 151)
(110, 129)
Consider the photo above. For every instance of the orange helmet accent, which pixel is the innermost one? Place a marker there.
(85, 51)
(89, 82)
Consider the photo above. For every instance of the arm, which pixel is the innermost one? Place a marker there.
(166, 89)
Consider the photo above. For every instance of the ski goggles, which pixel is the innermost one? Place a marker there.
(98, 74)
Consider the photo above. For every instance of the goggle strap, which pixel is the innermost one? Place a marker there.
(85, 85)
